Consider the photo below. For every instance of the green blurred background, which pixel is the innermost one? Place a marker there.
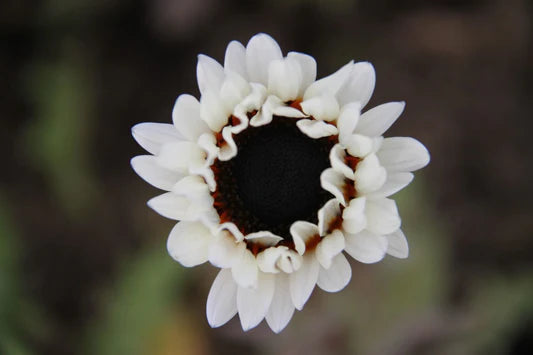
(83, 262)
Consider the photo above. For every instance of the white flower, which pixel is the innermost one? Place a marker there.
(273, 174)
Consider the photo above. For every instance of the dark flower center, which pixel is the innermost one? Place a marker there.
(274, 180)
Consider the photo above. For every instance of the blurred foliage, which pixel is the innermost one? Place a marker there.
(57, 139)
(21, 319)
(141, 306)
(502, 308)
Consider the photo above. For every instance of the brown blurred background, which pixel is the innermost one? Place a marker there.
(83, 262)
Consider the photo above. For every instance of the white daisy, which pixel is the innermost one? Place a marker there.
(273, 174)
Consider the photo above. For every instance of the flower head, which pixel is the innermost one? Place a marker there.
(274, 176)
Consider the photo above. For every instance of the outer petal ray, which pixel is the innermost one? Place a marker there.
(281, 310)
(403, 154)
(397, 245)
(147, 168)
(253, 303)
(186, 117)
(260, 51)
(222, 299)
(210, 74)
(152, 136)
(360, 85)
(378, 120)
(366, 246)
(188, 243)
(235, 59)
(337, 276)
(245, 270)
(304, 280)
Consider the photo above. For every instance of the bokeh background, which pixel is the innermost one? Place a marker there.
(83, 262)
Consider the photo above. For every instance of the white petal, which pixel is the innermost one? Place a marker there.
(241, 125)
(186, 117)
(147, 168)
(278, 258)
(331, 84)
(354, 217)
(301, 232)
(348, 119)
(232, 229)
(307, 67)
(316, 129)
(382, 216)
(287, 111)
(369, 175)
(260, 51)
(265, 238)
(289, 261)
(152, 136)
(281, 309)
(188, 243)
(209, 73)
(366, 246)
(264, 117)
(327, 214)
(222, 299)
(233, 90)
(358, 145)
(245, 270)
(284, 78)
(324, 107)
(395, 182)
(334, 182)
(170, 205)
(208, 143)
(207, 174)
(360, 86)
(235, 59)
(329, 247)
(303, 281)
(253, 101)
(224, 250)
(337, 158)
(253, 304)
(209, 218)
(176, 207)
(181, 156)
(403, 154)
(213, 111)
(192, 186)
(377, 142)
(267, 259)
(337, 276)
(398, 246)
(378, 120)
(228, 150)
